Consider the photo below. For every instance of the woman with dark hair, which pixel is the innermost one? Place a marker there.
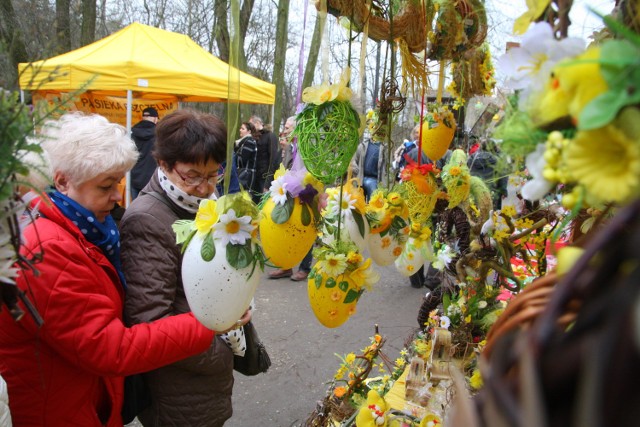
(246, 154)
(70, 369)
(190, 146)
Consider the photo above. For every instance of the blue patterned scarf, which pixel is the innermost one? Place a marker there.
(104, 235)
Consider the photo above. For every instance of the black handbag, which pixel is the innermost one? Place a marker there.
(136, 397)
(256, 359)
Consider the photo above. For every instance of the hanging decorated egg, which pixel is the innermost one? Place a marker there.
(333, 299)
(218, 294)
(437, 135)
(285, 244)
(384, 249)
(412, 258)
(353, 228)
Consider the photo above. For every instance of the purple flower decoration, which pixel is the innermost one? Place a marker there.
(294, 180)
(307, 194)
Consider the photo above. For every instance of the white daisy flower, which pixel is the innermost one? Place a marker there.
(482, 304)
(278, 191)
(348, 204)
(445, 322)
(538, 187)
(231, 229)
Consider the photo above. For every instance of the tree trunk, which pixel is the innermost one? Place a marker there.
(221, 30)
(12, 39)
(282, 39)
(314, 50)
(63, 27)
(88, 34)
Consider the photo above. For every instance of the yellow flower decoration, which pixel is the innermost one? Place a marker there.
(326, 92)
(476, 380)
(350, 358)
(606, 162)
(280, 172)
(207, 216)
(535, 8)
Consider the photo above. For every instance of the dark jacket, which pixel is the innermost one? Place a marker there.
(246, 155)
(144, 135)
(269, 158)
(195, 391)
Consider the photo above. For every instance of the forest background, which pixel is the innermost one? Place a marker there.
(270, 34)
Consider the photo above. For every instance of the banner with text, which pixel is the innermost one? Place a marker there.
(113, 108)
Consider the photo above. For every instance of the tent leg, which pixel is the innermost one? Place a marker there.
(127, 195)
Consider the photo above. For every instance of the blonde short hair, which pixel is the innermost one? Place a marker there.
(85, 146)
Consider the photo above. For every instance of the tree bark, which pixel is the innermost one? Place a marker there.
(88, 32)
(12, 39)
(221, 30)
(314, 50)
(63, 27)
(282, 39)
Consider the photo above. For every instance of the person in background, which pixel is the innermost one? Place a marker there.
(190, 146)
(234, 183)
(144, 135)
(305, 265)
(482, 163)
(399, 159)
(286, 145)
(245, 155)
(70, 369)
(268, 157)
(369, 165)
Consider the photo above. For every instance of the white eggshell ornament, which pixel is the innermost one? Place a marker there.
(412, 258)
(218, 294)
(349, 231)
(384, 249)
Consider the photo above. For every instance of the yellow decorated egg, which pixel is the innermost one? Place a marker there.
(286, 244)
(333, 300)
(436, 140)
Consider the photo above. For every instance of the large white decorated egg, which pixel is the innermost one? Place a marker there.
(218, 294)
(384, 249)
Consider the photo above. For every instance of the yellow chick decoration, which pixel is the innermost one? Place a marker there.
(373, 413)
(573, 84)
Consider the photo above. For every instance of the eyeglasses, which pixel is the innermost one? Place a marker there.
(196, 180)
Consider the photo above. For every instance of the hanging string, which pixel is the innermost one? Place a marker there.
(233, 92)
(441, 78)
(301, 60)
(424, 90)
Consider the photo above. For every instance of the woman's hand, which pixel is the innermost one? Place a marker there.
(246, 317)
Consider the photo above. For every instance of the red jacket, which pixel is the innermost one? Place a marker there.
(69, 372)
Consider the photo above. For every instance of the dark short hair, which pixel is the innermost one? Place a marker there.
(189, 136)
(149, 112)
(252, 129)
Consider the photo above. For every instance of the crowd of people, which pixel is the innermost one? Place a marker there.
(111, 295)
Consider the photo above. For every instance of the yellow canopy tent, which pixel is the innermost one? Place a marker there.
(152, 66)
(150, 62)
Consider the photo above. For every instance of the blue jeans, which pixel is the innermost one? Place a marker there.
(369, 184)
(305, 264)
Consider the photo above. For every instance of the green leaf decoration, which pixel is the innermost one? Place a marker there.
(446, 302)
(352, 296)
(184, 230)
(601, 110)
(315, 210)
(312, 272)
(208, 249)
(618, 27)
(318, 280)
(239, 256)
(281, 213)
(185, 244)
(331, 282)
(305, 217)
(360, 222)
(344, 285)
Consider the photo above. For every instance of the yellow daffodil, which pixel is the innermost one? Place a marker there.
(350, 358)
(377, 200)
(364, 275)
(606, 162)
(207, 216)
(326, 92)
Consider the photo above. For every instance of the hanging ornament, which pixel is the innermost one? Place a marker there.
(328, 129)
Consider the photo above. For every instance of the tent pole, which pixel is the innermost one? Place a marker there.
(127, 195)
